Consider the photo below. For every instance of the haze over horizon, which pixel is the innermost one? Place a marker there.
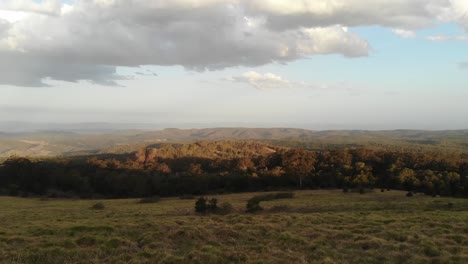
(355, 64)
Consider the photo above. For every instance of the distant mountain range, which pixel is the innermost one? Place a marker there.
(93, 139)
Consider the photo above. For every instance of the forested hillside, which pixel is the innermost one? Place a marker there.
(235, 166)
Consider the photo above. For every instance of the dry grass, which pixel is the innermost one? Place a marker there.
(313, 227)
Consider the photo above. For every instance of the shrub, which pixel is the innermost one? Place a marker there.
(98, 206)
(152, 199)
(213, 204)
(200, 205)
(253, 206)
(204, 205)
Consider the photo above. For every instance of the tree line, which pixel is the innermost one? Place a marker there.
(225, 166)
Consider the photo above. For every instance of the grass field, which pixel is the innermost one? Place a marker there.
(313, 227)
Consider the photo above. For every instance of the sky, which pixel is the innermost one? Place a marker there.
(316, 64)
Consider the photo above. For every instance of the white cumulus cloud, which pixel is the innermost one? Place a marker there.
(402, 33)
(261, 81)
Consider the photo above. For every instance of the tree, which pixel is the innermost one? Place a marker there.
(408, 179)
(298, 162)
(195, 169)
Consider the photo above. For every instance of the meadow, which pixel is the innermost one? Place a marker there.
(326, 226)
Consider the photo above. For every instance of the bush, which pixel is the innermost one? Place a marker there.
(98, 206)
(204, 205)
(153, 199)
(213, 204)
(253, 206)
(200, 205)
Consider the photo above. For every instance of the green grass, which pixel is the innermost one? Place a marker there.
(313, 227)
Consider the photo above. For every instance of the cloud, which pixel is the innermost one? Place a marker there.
(463, 65)
(25, 70)
(268, 81)
(261, 81)
(4, 27)
(402, 33)
(448, 38)
(396, 13)
(49, 7)
(272, 81)
(198, 35)
(88, 39)
(457, 12)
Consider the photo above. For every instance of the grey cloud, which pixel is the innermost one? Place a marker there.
(23, 70)
(92, 38)
(47, 7)
(463, 65)
(211, 36)
(4, 27)
(397, 13)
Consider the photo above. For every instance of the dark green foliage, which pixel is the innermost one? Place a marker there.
(213, 204)
(253, 206)
(201, 206)
(210, 206)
